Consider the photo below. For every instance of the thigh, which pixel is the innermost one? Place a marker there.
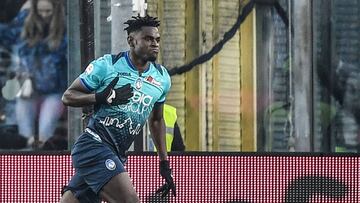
(26, 106)
(51, 109)
(119, 189)
(25, 115)
(95, 162)
(78, 191)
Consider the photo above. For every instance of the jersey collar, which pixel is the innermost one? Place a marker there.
(127, 57)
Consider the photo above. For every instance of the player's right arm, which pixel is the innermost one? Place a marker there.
(77, 95)
(97, 85)
(82, 91)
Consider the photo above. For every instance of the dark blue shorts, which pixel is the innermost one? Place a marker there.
(95, 164)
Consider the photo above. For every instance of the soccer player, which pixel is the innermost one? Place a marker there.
(126, 90)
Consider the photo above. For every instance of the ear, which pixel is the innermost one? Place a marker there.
(130, 40)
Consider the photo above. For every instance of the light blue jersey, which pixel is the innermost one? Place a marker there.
(118, 125)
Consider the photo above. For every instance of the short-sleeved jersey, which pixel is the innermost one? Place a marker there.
(118, 125)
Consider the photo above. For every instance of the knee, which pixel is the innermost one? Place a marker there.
(68, 197)
(128, 198)
(132, 198)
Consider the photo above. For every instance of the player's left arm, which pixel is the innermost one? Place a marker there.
(158, 130)
(156, 120)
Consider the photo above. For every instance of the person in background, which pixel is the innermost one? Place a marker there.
(38, 36)
(343, 83)
(8, 10)
(174, 140)
(126, 90)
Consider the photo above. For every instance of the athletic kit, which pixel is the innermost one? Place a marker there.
(99, 153)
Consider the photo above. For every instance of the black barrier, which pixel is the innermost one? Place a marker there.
(245, 11)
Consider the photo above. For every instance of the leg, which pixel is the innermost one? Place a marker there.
(68, 197)
(50, 113)
(78, 191)
(25, 110)
(10, 113)
(102, 172)
(119, 189)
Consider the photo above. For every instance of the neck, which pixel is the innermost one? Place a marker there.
(139, 64)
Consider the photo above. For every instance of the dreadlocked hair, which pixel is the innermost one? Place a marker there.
(137, 22)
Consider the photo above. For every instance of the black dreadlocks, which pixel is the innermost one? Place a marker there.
(137, 22)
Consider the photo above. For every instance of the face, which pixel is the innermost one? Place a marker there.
(145, 43)
(45, 10)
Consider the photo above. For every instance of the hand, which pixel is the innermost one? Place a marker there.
(165, 172)
(113, 96)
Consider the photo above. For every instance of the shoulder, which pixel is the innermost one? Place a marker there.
(169, 108)
(100, 66)
(105, 61)
(162, 75)
(116, 57)
(16, 24)
(20, 17)
(161, 70)
(166, 74)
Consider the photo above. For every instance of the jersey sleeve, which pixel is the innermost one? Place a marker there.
(95, 73)
(167, 85)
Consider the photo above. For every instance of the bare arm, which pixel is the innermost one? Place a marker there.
(77, 95)
(158, 131)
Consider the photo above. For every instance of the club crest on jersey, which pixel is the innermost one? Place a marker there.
(138, 83)
(152, 81)
(110, 164)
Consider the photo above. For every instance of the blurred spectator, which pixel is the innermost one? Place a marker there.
(174, 140)
(344, 85)
(6, 116)
(37, 35)
(9, 9)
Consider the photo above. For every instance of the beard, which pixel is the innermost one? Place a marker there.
(152, 57)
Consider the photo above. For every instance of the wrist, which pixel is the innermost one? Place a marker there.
(164, 164)
(98, 97)
(101, 97)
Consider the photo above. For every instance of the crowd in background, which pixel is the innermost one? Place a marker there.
(33, 76)
(33, 68)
